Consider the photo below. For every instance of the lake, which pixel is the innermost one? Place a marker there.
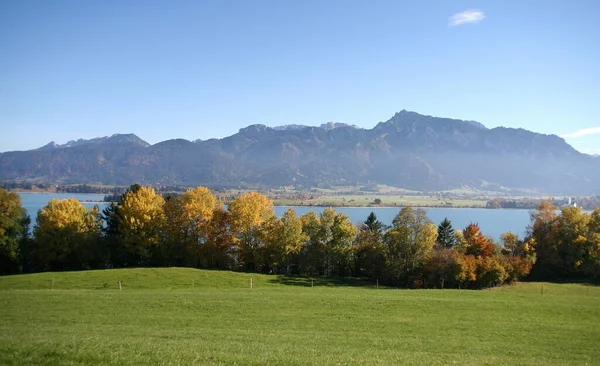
(491, 222)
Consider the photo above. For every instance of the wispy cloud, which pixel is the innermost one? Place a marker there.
(583, 132)
(466, 17)
(589, 150)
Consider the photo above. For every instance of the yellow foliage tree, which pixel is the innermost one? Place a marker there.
(283, 242)
(199, 204)
(65, 235)
(248, 215)
(13, 222)
(187, 224)
(141, 223)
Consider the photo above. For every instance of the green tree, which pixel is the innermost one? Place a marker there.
(284, 242)
(329, 247)
(446, 237)
(336, 234)
(13, 231)
(373, 224)
(340, 246)
(407, 243)
(369, 254)
(111, 237)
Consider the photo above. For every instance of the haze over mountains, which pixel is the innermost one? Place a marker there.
(410, 150)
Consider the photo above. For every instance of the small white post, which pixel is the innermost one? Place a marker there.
(52, 283)
(250, 282)
(120, 288)
(312, 282)
(378, 283)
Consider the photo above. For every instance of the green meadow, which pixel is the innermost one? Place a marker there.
(176, 316)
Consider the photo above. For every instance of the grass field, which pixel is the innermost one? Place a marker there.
(179, 316)
(387, 201)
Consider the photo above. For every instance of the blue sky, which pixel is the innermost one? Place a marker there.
(202, 69)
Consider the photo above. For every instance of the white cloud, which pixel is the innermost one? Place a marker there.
(589, 150)
(467, 16)
(583, 132)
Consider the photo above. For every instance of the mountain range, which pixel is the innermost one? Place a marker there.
(409, 150)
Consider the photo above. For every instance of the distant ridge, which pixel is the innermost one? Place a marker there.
(409, 150)
(114, 139)
(326, 126)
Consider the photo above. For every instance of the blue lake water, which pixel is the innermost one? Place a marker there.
(491, 222)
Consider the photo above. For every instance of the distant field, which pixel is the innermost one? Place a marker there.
(184, 316)
(357, 196)
(368, 200)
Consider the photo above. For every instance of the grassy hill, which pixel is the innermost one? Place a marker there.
(175, 316)
(162, 279)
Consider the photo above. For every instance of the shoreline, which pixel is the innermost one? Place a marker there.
(292, 205)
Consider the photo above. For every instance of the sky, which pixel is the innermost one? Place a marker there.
(205, 69)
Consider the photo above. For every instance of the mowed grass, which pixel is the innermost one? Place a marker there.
(160, 319)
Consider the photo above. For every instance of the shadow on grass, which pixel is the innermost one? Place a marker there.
(322, 281)
(567, 281)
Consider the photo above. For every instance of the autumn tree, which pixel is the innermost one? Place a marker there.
(475, 243)
(330, 239)
(175, 249)
(446, 237)
(343, 233)
(312, 260)
(284, 243)
(188, 218)
(513, 246)
(66, 236)
(467, 270)
(141, 224)
(542, 231)
(490, 272)
(442, 268)
(407, 243)
(518, 256)
(13, 231)
(220, 248)
(199, 205)
(591, 264)
(248, 214)
(571, 237)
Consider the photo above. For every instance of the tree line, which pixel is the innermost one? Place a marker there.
(195, 229)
